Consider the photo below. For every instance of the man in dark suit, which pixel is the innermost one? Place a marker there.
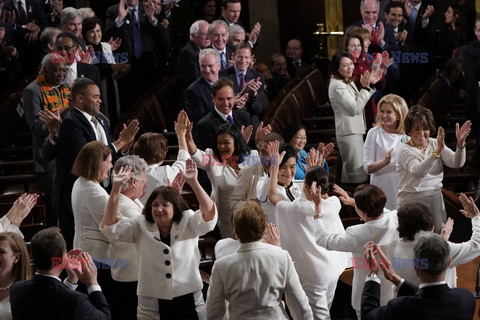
(433, 299)
(294, 57)
(231, 10)
(218, 33)
(198, 97)
(141, 34)
(84, 123)
(383, 38)
(30, 20)
(187, 65)
(246, 81)
(45, 296)
(224, 100)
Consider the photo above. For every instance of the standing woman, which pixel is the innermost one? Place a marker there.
(453, 33)
(421, 159)
(166, 237)
(381, 146)
(14, 266)
(348, 103)
(317, 267)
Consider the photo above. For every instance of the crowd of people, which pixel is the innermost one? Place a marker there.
(127, 233)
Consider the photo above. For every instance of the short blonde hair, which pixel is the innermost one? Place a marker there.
(399, 106)
(249, 221)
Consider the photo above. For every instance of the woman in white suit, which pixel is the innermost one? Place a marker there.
(317, 267)
(254, 278)
(348, 103)
(414, 217)
(380, 227)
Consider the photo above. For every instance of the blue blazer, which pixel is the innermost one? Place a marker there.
(198, 100)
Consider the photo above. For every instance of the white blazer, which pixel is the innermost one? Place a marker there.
(165, 272)
(124, 255)
(348, 105)
(246, 187)
(253, 280)
(6, 225)
(158, 176)
(460, 253)
(381, 231)
(89, 200)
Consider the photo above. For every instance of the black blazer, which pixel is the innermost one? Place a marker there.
(188, 68)
(198, 100)
(34, 11)
(435, 302)
(254, 106)
(44, 297)
(89, 71)
(205, 130)
(150, 36)
(229, 51)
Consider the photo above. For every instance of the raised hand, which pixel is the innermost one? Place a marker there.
(122, 10)
(462, 133)
(275, 157)
(181, 125)
(314, 158)
(440, 140)
(271, 235)
(470, 209)
(343, 195)
(178, 182)
(327, 150)
(365, 79)
(388, 156)
(428, 12)
(52, 120)
(73, 262)
(149, 8)
(247, 132)
(380, 33)
(262, 131)
(21, 208)
(255, 33)
(125, 139)
(190, 174)
(121, 178)
(316, 195)
(240, 100)
(447, 229)
(115, 43)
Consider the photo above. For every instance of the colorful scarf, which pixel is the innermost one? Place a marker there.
(51, 99)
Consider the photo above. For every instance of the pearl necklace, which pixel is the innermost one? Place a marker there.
(410, 142)
(7, 287)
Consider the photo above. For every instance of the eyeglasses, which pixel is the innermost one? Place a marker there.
(202, 34)
(300, 138)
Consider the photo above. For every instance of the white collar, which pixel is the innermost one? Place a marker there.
(224, 116)
(431, 284)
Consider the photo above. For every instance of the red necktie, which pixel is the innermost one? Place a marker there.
(374, 36)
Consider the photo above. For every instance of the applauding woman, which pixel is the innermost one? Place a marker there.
(166, 237)
(348, 103)
(421, 159)
(381, 146)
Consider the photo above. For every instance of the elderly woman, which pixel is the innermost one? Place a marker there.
(381, 146)
(124, 268)
(14, 266)
(317, 267)
(380, 226)
(254, 278)
(421, 159)
(166, 237)
(92, 166)
(296, 136)
(414, 217)
(348, 103)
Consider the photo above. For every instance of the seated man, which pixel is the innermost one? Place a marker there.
(45, 296)
(433, 299)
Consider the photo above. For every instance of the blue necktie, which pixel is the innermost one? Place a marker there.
(222, 58)
(412, 18)
(229, 119)
(137, 43)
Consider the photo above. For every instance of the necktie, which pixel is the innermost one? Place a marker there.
(412, 18)
(222, 58)
(137, 43)
(23, 15)
(242, 81)
(297, 64)
(374, 36)
(229, 119)
(98, 130)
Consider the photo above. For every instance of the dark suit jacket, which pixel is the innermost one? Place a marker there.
(206, 128)
(75, 132)
(150, 36)
(89, 71)
(34, 11)
(435, 302)
(254, 106)
(422, 38)
(389, 38)
(44, 297)
(229, 51)
(188, 68)
(198, 100)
